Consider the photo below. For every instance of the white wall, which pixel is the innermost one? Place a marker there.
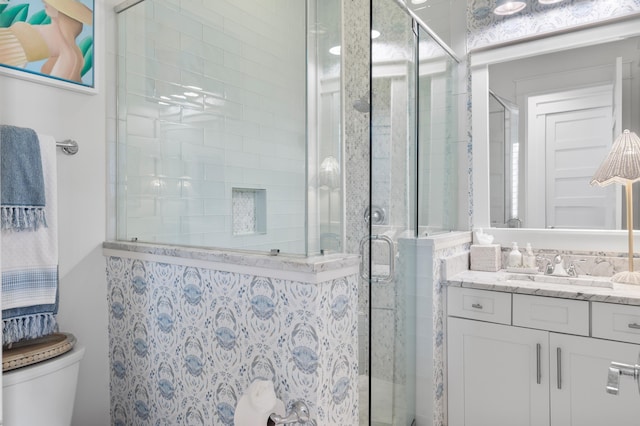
(82, 192)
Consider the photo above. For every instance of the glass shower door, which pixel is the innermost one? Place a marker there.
(392, 218)
(413, 193)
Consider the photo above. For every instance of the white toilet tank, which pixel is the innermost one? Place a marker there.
(42, 393)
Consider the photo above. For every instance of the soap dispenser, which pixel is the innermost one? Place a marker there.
(515, 257)
(528, 259)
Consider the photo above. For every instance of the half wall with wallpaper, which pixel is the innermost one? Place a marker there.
(189, 331)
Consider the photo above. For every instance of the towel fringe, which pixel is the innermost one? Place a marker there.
(28, 327)
(21, 218)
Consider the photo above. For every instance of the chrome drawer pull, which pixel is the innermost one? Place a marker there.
(479, 306)
(538, 361)
(634, 325)
(559, 372)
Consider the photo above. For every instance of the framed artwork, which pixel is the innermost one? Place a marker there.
(49, 41)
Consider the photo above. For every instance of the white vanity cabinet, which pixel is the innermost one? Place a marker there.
(493, 375)
(540, 365)
(578, 378)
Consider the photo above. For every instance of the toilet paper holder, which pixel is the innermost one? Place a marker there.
(299, 414)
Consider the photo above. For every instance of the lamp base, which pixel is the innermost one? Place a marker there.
(626, 277)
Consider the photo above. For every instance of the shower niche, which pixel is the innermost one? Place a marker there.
(249, 211)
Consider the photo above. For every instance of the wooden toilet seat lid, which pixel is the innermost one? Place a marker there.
(32, 351)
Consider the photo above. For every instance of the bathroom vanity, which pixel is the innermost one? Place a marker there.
(527, 352)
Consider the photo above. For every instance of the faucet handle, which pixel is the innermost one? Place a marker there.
(547, 267)
(571, 270)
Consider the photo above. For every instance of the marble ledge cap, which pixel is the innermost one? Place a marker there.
(317, 263)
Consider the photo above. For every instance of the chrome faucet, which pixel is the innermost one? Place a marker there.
(299, 414)
(558, 266)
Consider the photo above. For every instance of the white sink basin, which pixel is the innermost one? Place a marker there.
(583, 280)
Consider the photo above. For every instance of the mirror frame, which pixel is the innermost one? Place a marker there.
(479, 60)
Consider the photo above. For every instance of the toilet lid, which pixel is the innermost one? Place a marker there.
(29, 352)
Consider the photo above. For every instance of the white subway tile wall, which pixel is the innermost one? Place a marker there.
(212, 96)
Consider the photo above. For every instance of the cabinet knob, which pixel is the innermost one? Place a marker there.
(479, 306)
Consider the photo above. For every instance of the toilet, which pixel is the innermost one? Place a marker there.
(42, 393)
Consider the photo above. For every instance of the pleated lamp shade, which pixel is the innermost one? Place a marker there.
(622, 166)
(330, 173)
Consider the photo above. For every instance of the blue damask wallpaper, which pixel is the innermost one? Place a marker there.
(185, 343)
(485, 28)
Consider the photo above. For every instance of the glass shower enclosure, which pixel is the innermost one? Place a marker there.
(231, 136)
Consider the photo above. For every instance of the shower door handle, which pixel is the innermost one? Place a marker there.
(378, 278)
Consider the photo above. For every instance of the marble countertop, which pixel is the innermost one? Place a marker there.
(310, 264)
(506, 282)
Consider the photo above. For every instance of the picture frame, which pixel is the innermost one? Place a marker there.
(37, 42)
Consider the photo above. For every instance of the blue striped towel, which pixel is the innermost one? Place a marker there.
(22, 194)
(30, 266)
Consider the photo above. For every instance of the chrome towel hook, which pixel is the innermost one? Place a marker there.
(69, 146)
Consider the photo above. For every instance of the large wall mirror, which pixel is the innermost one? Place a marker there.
(545, 113)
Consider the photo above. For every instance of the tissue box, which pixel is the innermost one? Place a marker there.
(485, 257)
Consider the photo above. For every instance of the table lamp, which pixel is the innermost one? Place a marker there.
(622, 166)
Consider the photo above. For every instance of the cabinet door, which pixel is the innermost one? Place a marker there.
(498, 374)
(579, 378)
